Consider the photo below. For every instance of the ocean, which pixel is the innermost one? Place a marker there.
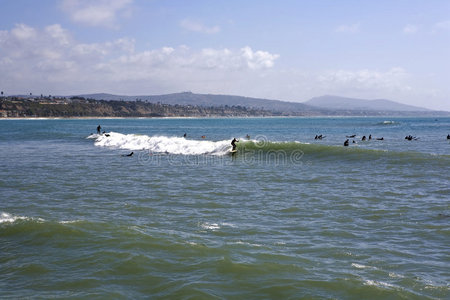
(286, 217)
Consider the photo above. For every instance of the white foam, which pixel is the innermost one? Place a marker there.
(93, 136)
(161, 144)
(70, 222)
(210, 226)
(378, 283)
(228, 224)
(247, 244)
(395, 275)
(359, 266)
(8, 218)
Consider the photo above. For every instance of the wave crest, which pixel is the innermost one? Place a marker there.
(161, 144)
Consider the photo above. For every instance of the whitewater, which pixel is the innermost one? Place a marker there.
(161, 144)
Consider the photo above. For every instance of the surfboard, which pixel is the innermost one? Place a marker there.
(233, 151)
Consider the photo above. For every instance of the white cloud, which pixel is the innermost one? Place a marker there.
(52, 59)
(410, 29)
(101, 13)
(444, 25)
(354, 28)
(195, 26)
(391, 80)
(23, 32)
(258, 59)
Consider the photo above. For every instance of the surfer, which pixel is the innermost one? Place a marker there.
(184, 135)
(346, 143)
(448, 136)
(363, 138)
(370, 137)
(380, 139)
(131, 154)
(351, 136)
(410, 138)
(233, 144)
(99, 129)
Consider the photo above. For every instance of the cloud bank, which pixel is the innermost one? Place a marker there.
(51, 61)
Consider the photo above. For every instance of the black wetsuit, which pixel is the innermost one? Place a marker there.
(233, 143)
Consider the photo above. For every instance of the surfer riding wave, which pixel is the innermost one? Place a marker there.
(233, 144)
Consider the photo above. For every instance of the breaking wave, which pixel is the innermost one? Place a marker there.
(161, 144)
(260, 148)
(387, 123)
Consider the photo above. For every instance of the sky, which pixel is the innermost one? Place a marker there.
(289, 50)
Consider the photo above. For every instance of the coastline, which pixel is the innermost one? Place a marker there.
(229, 117)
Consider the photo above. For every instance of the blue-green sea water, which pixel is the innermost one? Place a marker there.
(286, 217)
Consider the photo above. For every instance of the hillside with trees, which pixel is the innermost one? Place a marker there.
(80, 107)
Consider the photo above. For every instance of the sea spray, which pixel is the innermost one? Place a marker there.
(162, 144)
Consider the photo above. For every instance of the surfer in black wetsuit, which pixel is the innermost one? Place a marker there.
(448, 137)
(99, 128)
(233, 143)
(346, 143)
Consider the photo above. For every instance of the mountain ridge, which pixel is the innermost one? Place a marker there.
(327, 104)
(188, 104)
(340, 103)
(189, 98)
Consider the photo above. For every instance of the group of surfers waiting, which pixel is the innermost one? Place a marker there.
(346, 142)
(364, 138)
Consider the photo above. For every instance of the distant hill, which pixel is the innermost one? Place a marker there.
(342, 103)
(15, 107)
(319, 106)
(188, 98)
(188, 104)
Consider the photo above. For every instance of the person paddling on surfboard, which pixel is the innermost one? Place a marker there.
(233, 143)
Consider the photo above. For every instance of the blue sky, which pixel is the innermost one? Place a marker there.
(287, 50)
